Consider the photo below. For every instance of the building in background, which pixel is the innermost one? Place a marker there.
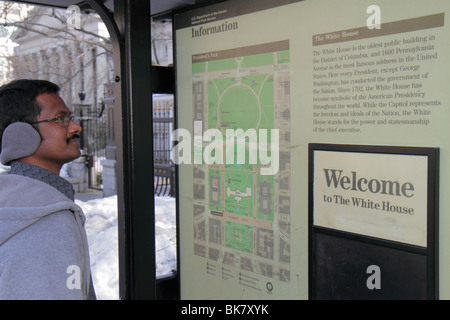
(79, 60)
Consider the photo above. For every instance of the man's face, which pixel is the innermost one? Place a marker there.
(60, 144)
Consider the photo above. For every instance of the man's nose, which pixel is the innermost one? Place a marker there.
(74, 127)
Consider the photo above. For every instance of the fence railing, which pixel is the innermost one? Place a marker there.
(163, 124)
(93, 120)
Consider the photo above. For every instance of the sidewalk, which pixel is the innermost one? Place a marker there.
(89, 195)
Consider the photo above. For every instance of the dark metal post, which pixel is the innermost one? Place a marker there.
(130, 34)
(139, 189)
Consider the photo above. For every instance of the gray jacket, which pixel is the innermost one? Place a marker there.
(43, 245)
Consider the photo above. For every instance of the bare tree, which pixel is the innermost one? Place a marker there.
(79, 60)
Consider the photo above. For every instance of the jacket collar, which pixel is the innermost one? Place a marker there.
(44, 175)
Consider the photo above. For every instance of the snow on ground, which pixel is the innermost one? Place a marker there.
(101, 228)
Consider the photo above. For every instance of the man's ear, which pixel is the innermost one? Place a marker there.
(20, 139)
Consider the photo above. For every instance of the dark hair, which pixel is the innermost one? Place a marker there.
(18, 101)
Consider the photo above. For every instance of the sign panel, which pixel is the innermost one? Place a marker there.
(351, 269)
(240, 163)
(373, 209)
(378, 195)
(257, 82)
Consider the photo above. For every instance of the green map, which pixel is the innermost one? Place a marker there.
(241, 217)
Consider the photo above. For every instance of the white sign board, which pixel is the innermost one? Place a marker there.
(378, 195)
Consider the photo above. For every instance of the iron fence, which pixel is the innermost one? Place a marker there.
(93, 121)
(163, 124)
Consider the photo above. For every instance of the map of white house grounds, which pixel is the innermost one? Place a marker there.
(241, 214)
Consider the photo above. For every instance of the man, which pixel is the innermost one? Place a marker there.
(43, 246)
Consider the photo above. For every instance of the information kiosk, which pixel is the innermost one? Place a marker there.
(313, 143)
